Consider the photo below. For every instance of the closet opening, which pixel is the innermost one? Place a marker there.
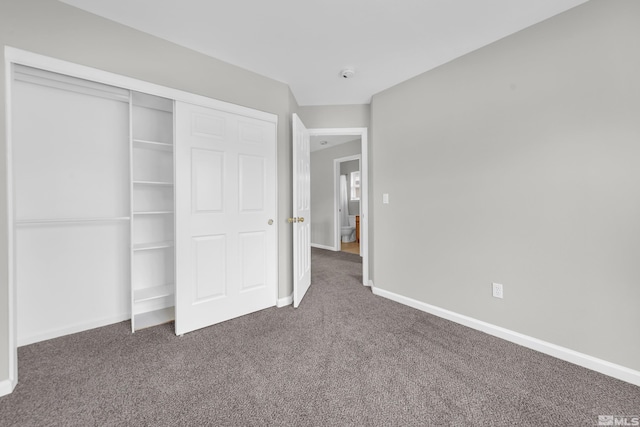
(92, 175)
(92, 201)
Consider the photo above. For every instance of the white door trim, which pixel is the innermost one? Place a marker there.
(336, 197)
(18, 56)
(364, 189)
(7, 386)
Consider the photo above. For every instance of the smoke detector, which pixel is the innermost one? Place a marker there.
(347, 73)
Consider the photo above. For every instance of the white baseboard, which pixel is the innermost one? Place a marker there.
(329, 248)
(283, 302)
(6, 387)
(72, 329)
(611, 369)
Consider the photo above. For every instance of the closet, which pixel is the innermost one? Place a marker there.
(101, 206)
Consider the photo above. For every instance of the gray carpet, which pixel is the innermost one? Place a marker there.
(345, 357)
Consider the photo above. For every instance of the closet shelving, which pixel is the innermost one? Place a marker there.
(152, 211)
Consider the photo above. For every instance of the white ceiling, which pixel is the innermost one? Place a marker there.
(307, 43)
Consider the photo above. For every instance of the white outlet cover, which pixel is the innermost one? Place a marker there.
(385, 198)
(497, 290)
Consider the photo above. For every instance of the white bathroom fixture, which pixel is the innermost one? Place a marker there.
(348, 232)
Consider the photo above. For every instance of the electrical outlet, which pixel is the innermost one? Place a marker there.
(497, 290)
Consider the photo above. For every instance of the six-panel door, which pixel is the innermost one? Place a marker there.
(301, 210)
(226, 242)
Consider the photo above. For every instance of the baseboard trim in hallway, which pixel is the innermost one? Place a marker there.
(604, 367)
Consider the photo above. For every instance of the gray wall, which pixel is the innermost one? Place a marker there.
(55, 29)
(335, 116)
(322, 189)
(520, 166)
(345, 169)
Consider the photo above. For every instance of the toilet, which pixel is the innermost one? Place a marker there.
(349, 232)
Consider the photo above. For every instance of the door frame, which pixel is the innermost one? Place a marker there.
(13, 56)
(364, 188)
(336, 197)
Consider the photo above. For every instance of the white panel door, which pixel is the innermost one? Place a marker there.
(301, 211)
(226, 238)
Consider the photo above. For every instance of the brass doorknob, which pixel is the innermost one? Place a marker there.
(301, 219)
(291, 220)
(270, 222)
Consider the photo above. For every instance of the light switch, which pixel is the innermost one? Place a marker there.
(385, 198)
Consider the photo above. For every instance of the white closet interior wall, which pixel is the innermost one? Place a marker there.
(71, 208)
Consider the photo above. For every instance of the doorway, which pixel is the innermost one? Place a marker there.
(347, 197)
(332, 225)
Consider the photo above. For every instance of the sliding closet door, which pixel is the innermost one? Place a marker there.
(71, 203)
(226, 235)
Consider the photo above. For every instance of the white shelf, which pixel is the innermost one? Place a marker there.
(70, 220)
(155, 292)
(154, 145)
(153, 245)
(159, 183)
(154, 213)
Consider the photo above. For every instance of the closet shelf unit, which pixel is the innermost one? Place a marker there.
(152, 211)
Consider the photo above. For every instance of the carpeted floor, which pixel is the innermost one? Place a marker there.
(345, 357)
